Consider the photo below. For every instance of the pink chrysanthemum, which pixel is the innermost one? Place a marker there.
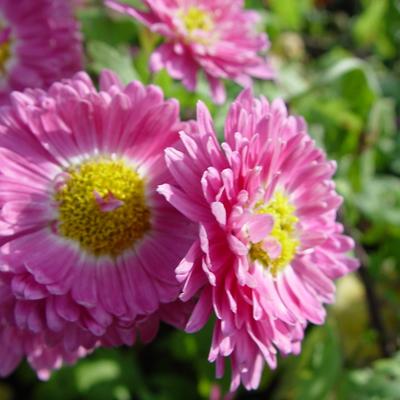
(89, 247)
(39, 44)
(16, 343)
(269, 247)
(64, 342)
(216, 36)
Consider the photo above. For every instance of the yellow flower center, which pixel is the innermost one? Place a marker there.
(284, 231)
(5, 54)
(196, 19)
(102, 206)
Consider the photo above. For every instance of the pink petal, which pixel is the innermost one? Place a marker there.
(259, 227)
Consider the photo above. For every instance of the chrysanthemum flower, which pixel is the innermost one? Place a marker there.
(215, 36)
(89, 247)
(15, 345)
(39, 43)
(269, 247)
(51, 348)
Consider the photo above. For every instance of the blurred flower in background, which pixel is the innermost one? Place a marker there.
(217, 37)
(40, 42)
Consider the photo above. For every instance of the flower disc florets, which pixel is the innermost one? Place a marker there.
(5, 48)
(196, 19)
(102, 206)
(282, 244)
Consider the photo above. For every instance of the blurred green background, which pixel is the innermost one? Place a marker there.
(338, 65)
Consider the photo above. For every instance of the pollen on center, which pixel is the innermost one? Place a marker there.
(196, 19)
(5, 48)
(283, 235)
(102, 206)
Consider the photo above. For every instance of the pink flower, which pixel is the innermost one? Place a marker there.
(269, 247)
(216, 394)
(50, 349)
(216, 36)
(88, 246)
(39, 44)
(15, 344)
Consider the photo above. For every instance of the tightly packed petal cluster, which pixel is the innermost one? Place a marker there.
(268, 247)
(215, 36)
(88, 246)
(39, 43)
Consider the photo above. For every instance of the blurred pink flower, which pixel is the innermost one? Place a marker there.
(216, 394)
(39, 43)
(16, 344)
(269, 247)
(88, 246)
(215, 36)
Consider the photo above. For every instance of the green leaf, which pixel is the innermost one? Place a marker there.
(380, 200)
(291, 12)
(370, 24)
(117, 59)
(314, 373)
(89, 375)
(380, 382)
(97, 26)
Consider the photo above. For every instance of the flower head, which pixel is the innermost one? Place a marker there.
(16, 344)
(88, 246)
(269, 247)
(39, 44)
(216, 37)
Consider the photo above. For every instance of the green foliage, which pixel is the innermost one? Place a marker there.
(96, 25)
(377, 27)
(290, 13)
(103, 56)
(315, 372)
(380, 381)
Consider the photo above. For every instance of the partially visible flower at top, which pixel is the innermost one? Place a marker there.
(216, 36)
(40, 43)
(88, 246)
(269, 247)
